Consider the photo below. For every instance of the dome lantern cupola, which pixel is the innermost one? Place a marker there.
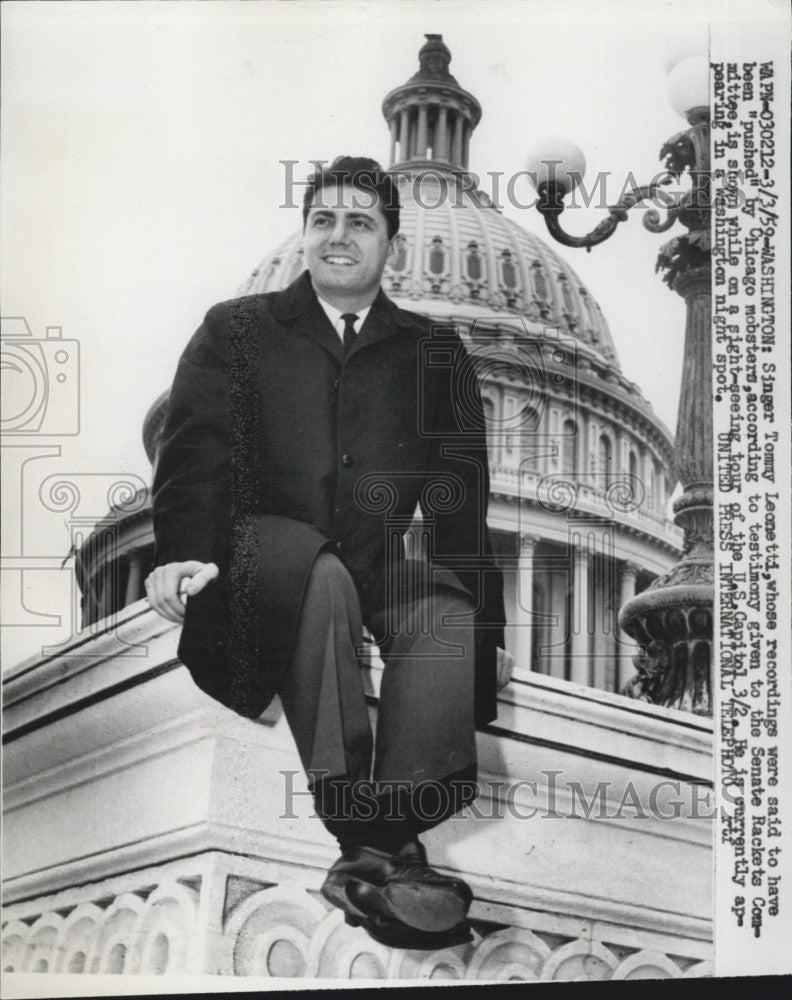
(431, 117)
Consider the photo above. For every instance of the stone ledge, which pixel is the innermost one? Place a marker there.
(221, 914)
(122, 766)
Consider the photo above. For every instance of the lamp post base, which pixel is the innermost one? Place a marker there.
(672, 623)
(672, 619)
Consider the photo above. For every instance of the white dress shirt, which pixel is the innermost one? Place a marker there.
(334, 315)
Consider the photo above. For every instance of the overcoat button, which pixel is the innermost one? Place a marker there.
(346, 461)
(339, 546)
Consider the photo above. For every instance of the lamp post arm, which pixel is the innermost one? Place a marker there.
(551, 205)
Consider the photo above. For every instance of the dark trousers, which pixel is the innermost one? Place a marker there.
(422, 766)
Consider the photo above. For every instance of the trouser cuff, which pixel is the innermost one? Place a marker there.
(388, 812)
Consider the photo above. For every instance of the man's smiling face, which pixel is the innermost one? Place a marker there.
(346, 246)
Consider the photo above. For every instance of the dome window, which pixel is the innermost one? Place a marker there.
(400, 256)
(437, 264)
(566, 294)
(539, 282)
(473, 262)
(591, 313)
(508, 272)
(397, 267)
(474, 269)
(437, 256)
(569, 455)
(509, 280)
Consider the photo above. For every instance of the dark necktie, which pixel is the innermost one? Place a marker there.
(349, 329)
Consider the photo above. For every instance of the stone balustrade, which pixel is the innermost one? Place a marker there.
(148, 830)
(217, 914)
(561, 492)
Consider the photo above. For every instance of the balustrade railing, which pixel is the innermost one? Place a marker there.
(619, 498)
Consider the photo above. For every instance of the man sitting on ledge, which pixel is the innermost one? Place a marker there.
(303, 430)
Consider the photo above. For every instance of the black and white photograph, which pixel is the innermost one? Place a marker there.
(396, 495)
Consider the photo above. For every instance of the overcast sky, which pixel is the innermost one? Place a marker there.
(141, 177)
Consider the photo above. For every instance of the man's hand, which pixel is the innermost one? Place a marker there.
(505, 667)
(169, 586)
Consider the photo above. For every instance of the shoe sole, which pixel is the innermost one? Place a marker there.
(431, 910)
(392, 933)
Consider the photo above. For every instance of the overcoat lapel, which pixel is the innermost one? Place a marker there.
(299, 303)
(384, 320)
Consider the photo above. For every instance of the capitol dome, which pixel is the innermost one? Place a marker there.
(579, 481)
(454, 245)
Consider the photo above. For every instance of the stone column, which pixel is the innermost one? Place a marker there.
(627, 647)
(649, 480)
(456, 150)
(582, 457)
(422, 142)
(105, 589)
(394, 132)
(134, 579)
(413, 134)
(623, 461)
(592, 468)
(441, 135)
(404, 135)
(581, 655)
(554, 458)
(465, 145)
(524, 621)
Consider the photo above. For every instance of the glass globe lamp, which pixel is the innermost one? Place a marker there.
(557, 163)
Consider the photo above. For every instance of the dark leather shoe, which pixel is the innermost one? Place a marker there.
(334, 891)
(394, 934)
(387, 930)
(401, 888)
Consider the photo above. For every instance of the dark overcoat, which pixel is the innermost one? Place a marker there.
(276, 446)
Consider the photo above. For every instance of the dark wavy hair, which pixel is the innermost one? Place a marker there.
(362, 173)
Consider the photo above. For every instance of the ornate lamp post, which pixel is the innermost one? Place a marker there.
(672, 620)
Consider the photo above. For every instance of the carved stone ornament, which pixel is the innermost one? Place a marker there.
(672, 623)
